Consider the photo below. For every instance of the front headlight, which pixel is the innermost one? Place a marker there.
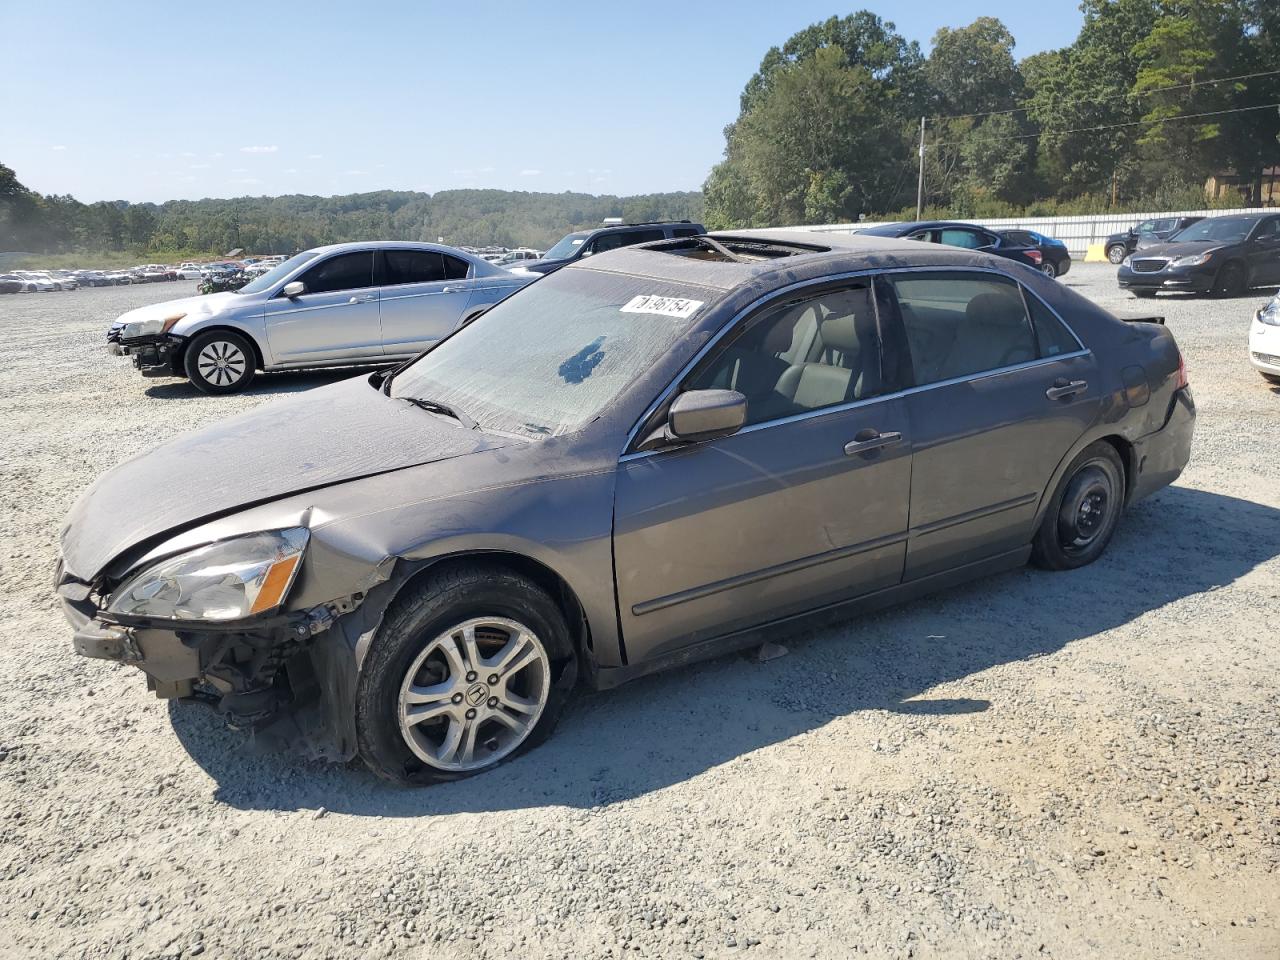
(1125, 261)
(1192, 261)
(1270, 314)
(228, 580)
(150, 328)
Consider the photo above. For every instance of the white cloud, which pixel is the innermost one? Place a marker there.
(246, 180)
(530, 173)
(200, 166)
(292, 170)
(315, 156)
(60, 146)
(186, 153)
(216, 156)
(353, 173)
(485, 170)
(271, 149)
(239, 170)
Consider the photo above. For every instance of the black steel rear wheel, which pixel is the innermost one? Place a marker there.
(1084, 511)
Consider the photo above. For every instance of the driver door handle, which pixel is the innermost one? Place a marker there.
(868, 440)
(1063, 388)
(365, 298)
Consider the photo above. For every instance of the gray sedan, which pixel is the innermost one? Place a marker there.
(350, 303)
(661, 454)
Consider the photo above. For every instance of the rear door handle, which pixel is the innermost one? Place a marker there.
(1066, 388)
(367, 298)
(868, 440)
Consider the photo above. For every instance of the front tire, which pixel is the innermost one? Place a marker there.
(1271, 378)
(1230, 281)
(219, 362)
(1144, 294)
(1084, 511)
(1116, 254)
(469, 669)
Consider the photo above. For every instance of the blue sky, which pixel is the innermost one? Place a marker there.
(163, 101)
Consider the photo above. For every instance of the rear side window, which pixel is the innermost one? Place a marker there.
(413, 266)
(685, 232)
(455, 269)
(1053, 338)
(346, 271)
(958, 325)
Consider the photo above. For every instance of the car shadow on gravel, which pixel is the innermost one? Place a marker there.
(285, 381)
(665, 729)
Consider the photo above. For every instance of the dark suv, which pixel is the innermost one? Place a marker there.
(1120, 245)
(608, 236)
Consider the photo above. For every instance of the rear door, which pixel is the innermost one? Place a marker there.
(805, 506)
(335, 318)
(422, 297)
(1003, 390)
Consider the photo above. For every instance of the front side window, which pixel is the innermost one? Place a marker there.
(272, 276)
(554, 356)
(960, 324)
(346, 271)
(567, 247)
(968, 239)
(800, 356)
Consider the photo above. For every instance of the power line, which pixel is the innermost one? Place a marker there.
(1117, 96)
(1106, 126)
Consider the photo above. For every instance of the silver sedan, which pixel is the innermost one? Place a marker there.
(341, 305)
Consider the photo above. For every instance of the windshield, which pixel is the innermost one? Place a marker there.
(1220, 230)
(566, 248)
(275, 274)
(553, 356)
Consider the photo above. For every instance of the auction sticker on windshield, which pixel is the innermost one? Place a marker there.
(677, 307)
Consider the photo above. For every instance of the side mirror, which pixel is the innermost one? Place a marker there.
(705, 415)
(294, 289)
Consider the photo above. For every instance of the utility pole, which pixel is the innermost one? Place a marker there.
(920, 182)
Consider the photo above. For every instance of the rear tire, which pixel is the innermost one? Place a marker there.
(440, 650)
(1116, 253)
(219, 362)
(1084, 511)
(1048, 269)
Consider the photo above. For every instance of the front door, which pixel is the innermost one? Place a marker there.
(422, 297)
(335, 317)
(1003, 388)
(803, 507)
(1264, 253)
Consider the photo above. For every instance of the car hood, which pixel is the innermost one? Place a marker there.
(197, 306)
(323, 437)
(1175, 250)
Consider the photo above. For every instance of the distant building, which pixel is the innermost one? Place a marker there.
(1233, 186)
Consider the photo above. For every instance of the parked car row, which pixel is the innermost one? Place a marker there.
(1226, 256)
(651, 456)
(38, 281)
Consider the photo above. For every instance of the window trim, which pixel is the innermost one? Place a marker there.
(664, 395)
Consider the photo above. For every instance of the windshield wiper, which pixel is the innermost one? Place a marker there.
(445, 409)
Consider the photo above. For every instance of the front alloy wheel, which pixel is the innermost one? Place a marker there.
(1116, 254)
(219, 362)
(474, 694)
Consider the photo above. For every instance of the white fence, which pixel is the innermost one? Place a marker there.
(1076, 232)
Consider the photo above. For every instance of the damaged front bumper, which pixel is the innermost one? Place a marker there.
(290, 676)
(154, 356)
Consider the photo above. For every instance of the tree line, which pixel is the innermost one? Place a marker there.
(828, 127)
(47, 224)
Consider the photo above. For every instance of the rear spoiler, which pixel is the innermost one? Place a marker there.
(1126, 319)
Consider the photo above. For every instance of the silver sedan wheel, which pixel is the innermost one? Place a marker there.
(474, 694)
(222, 363)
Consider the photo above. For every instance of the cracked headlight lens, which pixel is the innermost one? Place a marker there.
(229, 580)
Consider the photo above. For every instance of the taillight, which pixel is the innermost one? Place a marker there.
(1182, 372)
(1034, 256)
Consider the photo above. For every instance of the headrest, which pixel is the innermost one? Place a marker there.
(781, 335)
(840, 332)
(996, 309)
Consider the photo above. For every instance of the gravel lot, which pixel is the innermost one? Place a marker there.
(1065, 765)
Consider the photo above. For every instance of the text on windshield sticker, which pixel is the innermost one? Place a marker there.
(677, 307)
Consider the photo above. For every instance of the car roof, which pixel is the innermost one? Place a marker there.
(817, 255)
